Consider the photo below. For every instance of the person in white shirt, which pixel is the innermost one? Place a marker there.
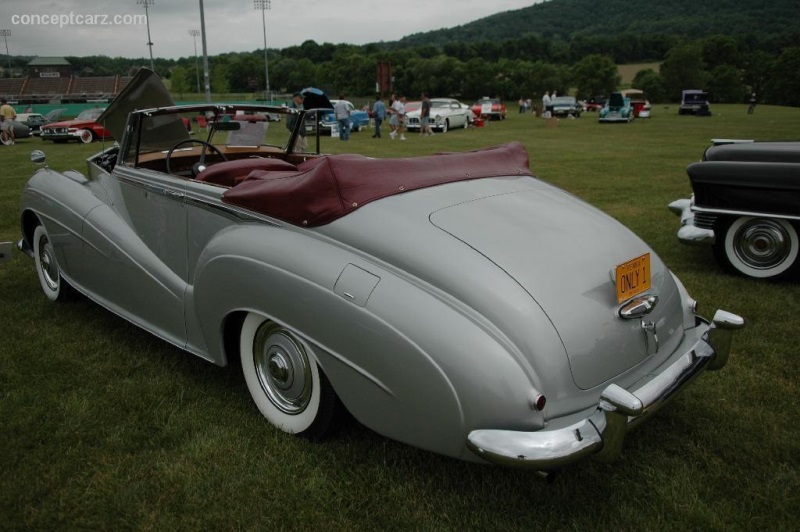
(399, 109)
(546, 104)
(342, 114)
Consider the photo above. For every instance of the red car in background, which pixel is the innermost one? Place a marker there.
(640, 103)
(83, 128)
(491, 108)
(594, 104)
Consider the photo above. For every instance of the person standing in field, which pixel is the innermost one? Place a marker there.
(399, 110)
(378, 115)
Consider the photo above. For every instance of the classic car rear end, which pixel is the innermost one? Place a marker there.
(491, 108)
(343, 282)
(565, 106)
(694, 102)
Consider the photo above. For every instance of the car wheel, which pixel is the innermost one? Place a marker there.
(87, 137)
(285, 381)
(762, 248)
(446, 125)
(53, 284)
(466, 122)
(355, 127)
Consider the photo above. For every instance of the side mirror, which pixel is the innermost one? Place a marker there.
(38, 157)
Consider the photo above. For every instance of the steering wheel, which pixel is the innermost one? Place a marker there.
(200, 165)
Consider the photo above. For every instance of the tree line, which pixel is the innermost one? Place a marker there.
(728, 67)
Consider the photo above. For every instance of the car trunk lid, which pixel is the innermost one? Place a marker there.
(563, 252)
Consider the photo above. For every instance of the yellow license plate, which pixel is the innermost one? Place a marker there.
(633, 277)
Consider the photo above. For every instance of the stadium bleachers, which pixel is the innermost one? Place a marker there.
(46, 86)
(11, 88)
(63, 88)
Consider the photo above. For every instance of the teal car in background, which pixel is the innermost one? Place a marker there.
(358, 119)
(617, 109)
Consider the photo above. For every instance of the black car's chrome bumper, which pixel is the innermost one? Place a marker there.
(603, 432)
(689, 233)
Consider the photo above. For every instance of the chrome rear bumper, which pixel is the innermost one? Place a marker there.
(603, 432)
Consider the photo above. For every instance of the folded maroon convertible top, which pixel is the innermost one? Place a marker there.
(326, 188)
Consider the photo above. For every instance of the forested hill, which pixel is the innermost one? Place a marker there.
(569, 19)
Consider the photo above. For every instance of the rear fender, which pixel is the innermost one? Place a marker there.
(404, 361)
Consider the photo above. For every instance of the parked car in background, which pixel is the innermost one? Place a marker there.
(641, 105)
(491, 108)
(83, 128)
(470, 113)
(594, 103)
(694, 102)
(617, 109)
(446, 113)
(565, 106)
(330, 280)
(33, 120)
(21, 131)
(746, 205)
(358, 119)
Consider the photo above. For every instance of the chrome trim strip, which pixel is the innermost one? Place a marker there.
(602, 433)
(745, 213)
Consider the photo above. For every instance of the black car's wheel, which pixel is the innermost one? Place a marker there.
(53, 284)
(285, 381)
(762, 248)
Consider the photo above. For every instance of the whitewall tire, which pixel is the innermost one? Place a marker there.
(53, 284)
(285, 381)
(762, 248)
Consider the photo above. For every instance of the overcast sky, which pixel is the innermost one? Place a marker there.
(64, 27)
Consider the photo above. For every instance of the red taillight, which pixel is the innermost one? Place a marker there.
(539, 402)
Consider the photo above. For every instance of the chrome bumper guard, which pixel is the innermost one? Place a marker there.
(688, 233)
(603, 432)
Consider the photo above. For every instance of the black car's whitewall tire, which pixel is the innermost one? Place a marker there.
(763, 248)
(53, 284)
(285, 380)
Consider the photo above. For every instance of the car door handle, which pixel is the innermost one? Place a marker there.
(174, 195)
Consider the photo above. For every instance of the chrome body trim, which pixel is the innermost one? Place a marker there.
(602, 432)
(638, 307)
(688, 232)
(691, 234)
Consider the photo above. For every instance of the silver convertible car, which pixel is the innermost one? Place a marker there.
(453, 302)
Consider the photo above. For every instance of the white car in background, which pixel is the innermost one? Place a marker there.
(446, 113)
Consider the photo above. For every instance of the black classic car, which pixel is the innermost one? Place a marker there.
(746, 204)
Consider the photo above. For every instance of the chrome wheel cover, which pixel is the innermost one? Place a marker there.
(283, 368)
(762, 244)
(48, 264)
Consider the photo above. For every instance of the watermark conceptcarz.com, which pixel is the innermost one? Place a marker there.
(77, 19)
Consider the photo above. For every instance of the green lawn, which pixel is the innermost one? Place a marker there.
(104, 427)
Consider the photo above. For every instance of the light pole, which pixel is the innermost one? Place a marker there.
(6, 34)
(264, 5)
(147, 4)
(206, 81)
(194, 34)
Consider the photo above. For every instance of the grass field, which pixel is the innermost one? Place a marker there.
(105, 427)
